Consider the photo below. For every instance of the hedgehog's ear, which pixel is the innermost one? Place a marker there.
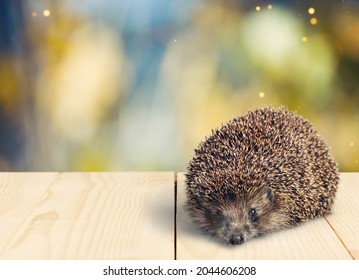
(230, 194)
(269, 194)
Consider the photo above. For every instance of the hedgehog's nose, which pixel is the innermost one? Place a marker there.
(236, 239)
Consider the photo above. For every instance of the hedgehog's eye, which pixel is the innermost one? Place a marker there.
(253, 216)
(219, 219)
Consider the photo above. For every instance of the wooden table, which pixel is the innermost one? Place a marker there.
(131, 215)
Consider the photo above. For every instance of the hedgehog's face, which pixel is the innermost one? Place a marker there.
(244, 216)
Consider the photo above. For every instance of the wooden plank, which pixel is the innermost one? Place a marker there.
(345, 213)
(87, 215)
(312, 240)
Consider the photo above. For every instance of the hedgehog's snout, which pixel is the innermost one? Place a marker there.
(236, 239)
(230, 227)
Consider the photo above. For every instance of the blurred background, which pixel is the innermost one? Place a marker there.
(109, 85)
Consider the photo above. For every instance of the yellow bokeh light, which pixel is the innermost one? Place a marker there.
(304, 39)
(46, 13)
(258, 8)
(311, 11)
(270, 7)
(261, 94)
(313, 21)
(351, 144)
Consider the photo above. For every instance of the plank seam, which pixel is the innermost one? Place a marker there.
(175, 216)
(341, 240)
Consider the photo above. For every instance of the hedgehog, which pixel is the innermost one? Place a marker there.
(265, 171)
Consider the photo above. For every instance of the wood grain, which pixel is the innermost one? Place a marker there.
(311, 240)
(87, 215)
(345, 213)
(131, 216)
